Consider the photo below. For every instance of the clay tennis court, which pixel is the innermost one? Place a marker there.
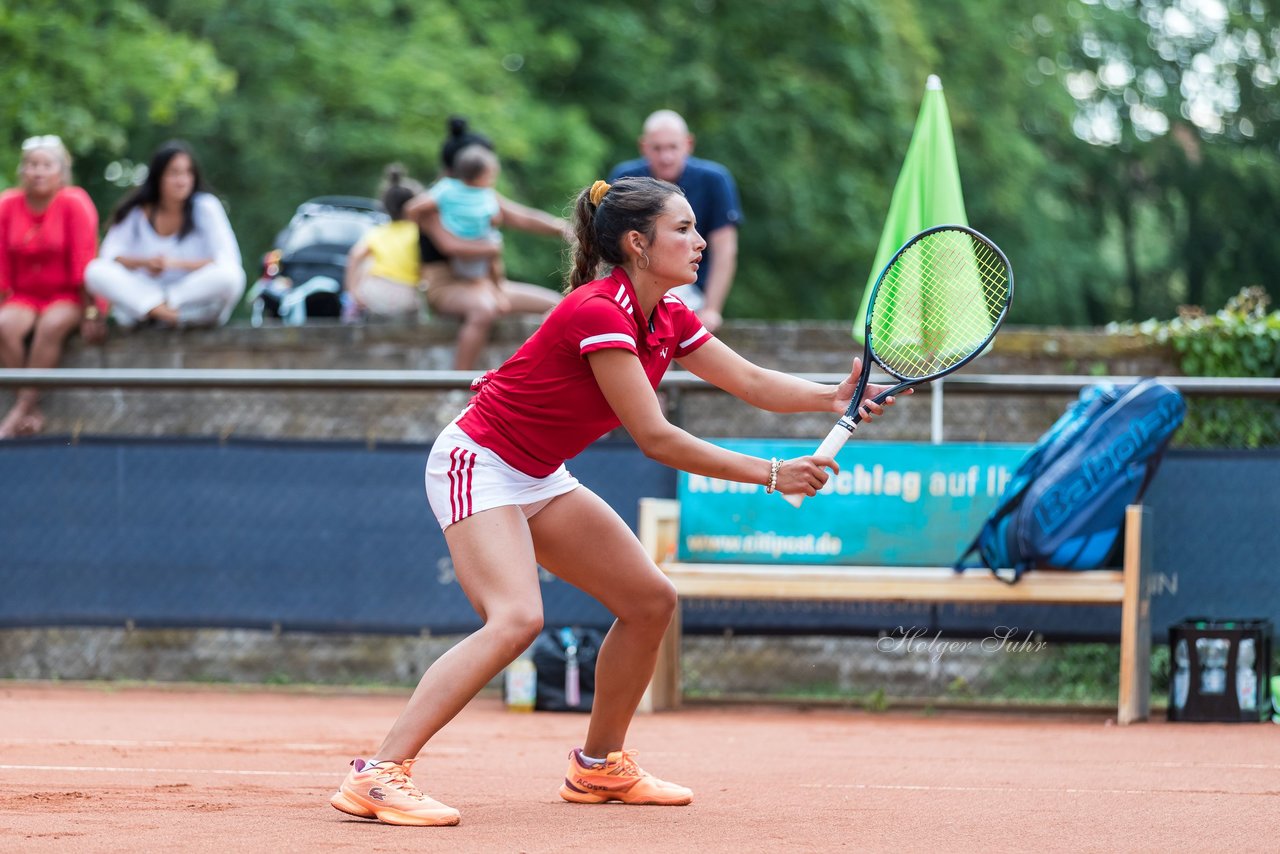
(102, 768)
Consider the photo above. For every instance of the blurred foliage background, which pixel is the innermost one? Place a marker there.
(1125, 153)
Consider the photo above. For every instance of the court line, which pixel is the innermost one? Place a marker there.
(247, 772)
(1038, 789)
(310, 747)
(122, 742)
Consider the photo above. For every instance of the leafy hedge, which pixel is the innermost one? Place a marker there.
(1241, 340)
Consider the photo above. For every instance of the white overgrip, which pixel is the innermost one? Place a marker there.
(829, 448)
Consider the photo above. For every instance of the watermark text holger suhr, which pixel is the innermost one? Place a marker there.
(918, 641)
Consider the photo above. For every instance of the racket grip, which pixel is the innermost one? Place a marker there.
(829, 448)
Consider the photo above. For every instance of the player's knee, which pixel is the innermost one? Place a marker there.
(655, 607)
(665, 602)
(518, 628)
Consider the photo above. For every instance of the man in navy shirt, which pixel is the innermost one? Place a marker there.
(667, 145)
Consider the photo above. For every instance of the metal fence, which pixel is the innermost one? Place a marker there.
(678, 386)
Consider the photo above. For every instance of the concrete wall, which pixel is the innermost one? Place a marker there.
(798, 346)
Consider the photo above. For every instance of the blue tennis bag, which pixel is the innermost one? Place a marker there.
(1064, 506)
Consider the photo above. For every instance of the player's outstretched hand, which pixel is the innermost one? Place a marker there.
(804, 475)
(847, 387)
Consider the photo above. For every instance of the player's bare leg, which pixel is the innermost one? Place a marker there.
(493, 559)
(610, 565)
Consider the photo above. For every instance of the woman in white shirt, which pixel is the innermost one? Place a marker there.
(170, 254)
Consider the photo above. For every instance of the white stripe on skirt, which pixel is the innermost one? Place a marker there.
(463, 478)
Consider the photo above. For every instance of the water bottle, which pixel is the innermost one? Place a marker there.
(1212, 653)
(1182, 674)
(520, 683)
(572, 681)
(1246, 678)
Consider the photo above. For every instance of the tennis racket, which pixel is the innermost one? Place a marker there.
(936, 305)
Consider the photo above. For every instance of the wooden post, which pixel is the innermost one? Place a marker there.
(659, 527)
(1135, 618)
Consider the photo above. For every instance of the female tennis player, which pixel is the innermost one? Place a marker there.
(497, 483)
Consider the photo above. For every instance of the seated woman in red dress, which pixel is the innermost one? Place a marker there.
(48, 234)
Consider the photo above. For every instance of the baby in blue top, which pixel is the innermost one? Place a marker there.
(468, 206)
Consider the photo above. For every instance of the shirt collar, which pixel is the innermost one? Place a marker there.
(620, 276)
(660, 327)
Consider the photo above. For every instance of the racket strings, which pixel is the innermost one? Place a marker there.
(938, 303)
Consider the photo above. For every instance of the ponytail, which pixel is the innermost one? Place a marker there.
(396, 190)
(586, 255)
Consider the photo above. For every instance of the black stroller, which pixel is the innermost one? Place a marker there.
(302, 277)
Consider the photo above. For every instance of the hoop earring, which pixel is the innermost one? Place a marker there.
(645, 256)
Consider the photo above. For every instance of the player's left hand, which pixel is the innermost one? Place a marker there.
(847, 387)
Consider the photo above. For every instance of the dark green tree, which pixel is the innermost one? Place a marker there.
(95, 72)
(1176, 113)
(1124, 153)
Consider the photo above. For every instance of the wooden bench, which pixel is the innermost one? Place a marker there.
(1127, 587)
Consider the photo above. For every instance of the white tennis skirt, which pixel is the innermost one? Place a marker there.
(464, 478)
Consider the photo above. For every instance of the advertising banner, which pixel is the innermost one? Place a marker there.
(337, 536)
(892, 504)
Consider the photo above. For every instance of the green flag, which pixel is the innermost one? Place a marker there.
(928, 189)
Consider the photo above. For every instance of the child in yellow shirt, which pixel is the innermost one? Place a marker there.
(384, 267)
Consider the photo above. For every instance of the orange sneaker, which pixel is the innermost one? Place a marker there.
(386, 791)
(618, 778)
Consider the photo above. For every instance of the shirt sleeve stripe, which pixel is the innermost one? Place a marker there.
(619, 337)
(702, 330)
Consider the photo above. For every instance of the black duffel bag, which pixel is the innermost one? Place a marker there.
(565, 659)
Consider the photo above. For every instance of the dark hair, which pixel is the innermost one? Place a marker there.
(473, 161)
(631, 204)
(148, 192)
(459, 138)
(397, 189)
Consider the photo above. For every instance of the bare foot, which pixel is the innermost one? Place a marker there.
(31, 423)
(9, 426)
(163, 313)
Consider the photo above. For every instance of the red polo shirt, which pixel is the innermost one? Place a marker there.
(543, 406)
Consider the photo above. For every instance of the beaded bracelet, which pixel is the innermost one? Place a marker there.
(774, 464)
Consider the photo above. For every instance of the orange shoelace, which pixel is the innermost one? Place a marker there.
(627, 766)
(398, 777)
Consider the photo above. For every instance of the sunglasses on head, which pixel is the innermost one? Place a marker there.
(49, 140)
